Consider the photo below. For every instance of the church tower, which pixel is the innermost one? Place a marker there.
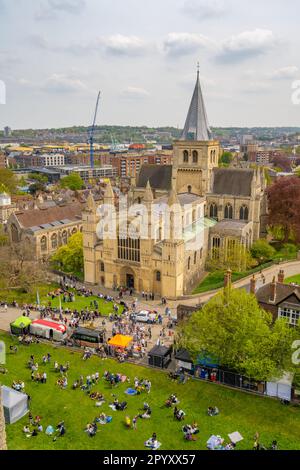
(195, 154)
(173, 252)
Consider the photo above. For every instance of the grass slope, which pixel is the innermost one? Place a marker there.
(239, 411)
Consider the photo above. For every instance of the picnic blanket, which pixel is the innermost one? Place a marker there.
(149, 444)
(49, 431)
(107, 420)
(235, 437)
(215, 443)
(131, 391)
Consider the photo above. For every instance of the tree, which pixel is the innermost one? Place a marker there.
(9, 180)
(233, 328)
(72, 181)
(237, 258)
(69, 258)
(262, 251)
(18, 267)
(36, 187)
(284, 206)
(226, 158)
(282, 162)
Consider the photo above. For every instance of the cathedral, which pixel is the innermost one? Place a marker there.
(215, 207)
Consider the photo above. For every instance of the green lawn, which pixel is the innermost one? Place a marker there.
(238, 411)
(9, 295)
(82, 303)
(295, 279)
(215, 280)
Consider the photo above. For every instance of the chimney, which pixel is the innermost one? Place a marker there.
(273, 290)
(228, 278)
(253, 285)
(281, 276)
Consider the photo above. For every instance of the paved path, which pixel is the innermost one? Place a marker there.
(291, 269)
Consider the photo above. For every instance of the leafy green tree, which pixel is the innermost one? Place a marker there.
(226, 158)
(38, 177)
(262, 251)
(36, 187)
(233, 328)
(9, 180)
(69, 258)
(72, 181)
(238, 259)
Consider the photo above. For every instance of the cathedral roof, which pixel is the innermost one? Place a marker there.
(159, 176)
(233, 182)
(196, 124)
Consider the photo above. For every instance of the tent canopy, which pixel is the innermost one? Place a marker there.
(15, 404)
(21, 322)
(120, 341)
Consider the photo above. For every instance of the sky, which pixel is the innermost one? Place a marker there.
(55, 55)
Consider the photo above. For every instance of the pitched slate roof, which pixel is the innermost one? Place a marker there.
(38, 217)
(159, 176)
(283, 291)
(196, 125)
(232, 181)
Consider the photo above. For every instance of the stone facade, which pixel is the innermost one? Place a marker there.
(45, 229)
(226, 204)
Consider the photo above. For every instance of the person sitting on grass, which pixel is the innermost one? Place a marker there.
(91, 429)
(212, 411)
(172, 400)
(147, 412)
(179, 414)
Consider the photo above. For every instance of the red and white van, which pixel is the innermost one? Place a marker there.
(49, 329)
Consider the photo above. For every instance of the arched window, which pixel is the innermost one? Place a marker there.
(54, 241)
(189, 189)
(64, 237)
(194, 216)
(102, 268)
(139, 200)
(44, 243)
(213, 211)
(74, 231)
(195, 257)
(195, 156)
(228, 212)
(244, 213)
(189, 263)
(185, 156)
(158, 276)
(201, 253)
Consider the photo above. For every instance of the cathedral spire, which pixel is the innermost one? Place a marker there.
(196, 124)
(148, 193)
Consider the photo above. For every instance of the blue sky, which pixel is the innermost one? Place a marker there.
(142, 55)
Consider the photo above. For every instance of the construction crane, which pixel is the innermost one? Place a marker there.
(91, 133)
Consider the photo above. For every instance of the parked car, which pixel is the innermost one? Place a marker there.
(144, 316)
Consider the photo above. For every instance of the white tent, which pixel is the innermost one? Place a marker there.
(15, 404)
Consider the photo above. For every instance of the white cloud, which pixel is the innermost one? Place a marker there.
(204, 9)
(49, 9)
(134, 93)
(285, 73)
(123, 45)
(180, 44)
(56, 83)
(247, 44)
